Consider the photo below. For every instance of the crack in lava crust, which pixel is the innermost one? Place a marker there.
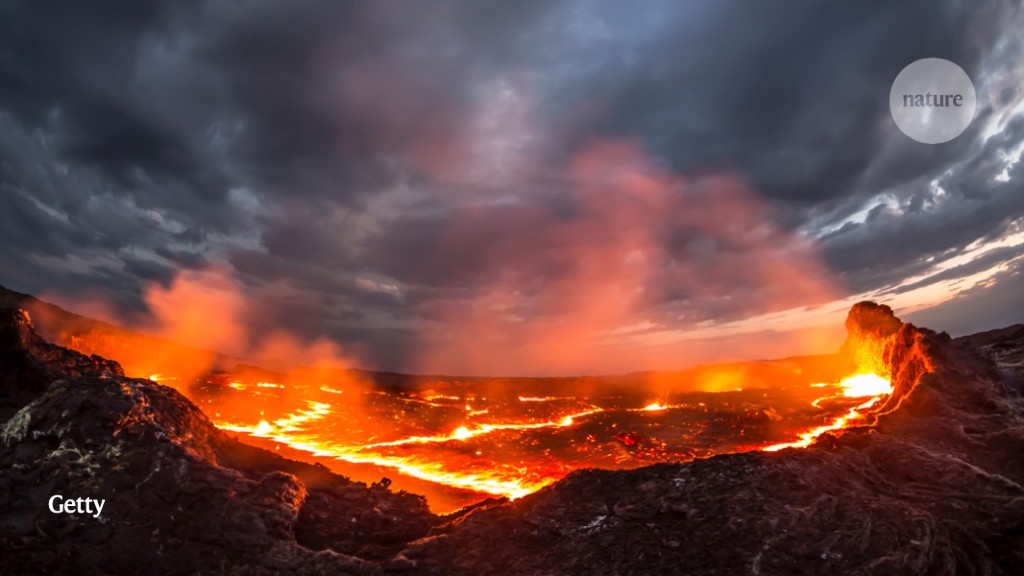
(291, 430)
(857, 386)
(303, 430)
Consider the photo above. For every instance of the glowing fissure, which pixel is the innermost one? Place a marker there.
(464, 433)
(293, 430)
(482, 444)
(868, 385)
(656, 407)
(296, 431)
(290, 423)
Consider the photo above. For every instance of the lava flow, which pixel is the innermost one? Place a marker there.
(869, 385)
(517, 444)
(460, 440)
(293, 430)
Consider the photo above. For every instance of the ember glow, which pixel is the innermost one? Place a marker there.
(515, 443)
(862, 385)
(297, 430)
(459, 440)
(856, 386)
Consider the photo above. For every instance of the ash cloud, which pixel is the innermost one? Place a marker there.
(372, 174)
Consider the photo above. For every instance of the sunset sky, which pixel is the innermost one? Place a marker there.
(529, 187)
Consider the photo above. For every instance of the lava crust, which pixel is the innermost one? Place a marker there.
(933, 486)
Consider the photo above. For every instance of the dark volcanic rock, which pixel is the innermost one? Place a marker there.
(933, 487)
(1005, 347)
(181, 496)
(28, 363)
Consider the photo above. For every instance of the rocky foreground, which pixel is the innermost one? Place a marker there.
(934, 486)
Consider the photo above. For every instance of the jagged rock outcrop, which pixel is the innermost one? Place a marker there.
(181, 496)
(934, 486)
(869, 327)
(28, 363)
(1004, 347)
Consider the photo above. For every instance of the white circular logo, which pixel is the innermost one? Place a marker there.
(932, 100)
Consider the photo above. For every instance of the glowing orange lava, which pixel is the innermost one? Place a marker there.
(295, 430)
(862, 385)
(513, 438)
(298, 430)
(856, 386)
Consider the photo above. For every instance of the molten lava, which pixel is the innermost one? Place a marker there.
(515, 447)
(295, 430)
(856, 386)
(459, 440)
(862, 385)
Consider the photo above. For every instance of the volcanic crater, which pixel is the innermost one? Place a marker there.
(908, 462)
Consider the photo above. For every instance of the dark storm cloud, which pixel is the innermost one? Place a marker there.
(750, 86)
(800, 106)
(95, 145)
(980, 264)
(359, 165)
(896, 242)
(332, 95)
(72, 71)
(993, 305)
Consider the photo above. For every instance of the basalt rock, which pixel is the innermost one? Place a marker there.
(181, 497)
(934, 486)
(28, 363)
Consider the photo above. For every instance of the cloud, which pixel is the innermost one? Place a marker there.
(991, 305)
(368, 173)
(516, 284)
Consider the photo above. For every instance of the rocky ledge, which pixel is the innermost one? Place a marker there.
(934, 486)
(181, 497)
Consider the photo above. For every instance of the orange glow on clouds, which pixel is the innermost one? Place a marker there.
(610, 269)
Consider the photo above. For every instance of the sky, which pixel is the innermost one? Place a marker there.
(530, 187)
